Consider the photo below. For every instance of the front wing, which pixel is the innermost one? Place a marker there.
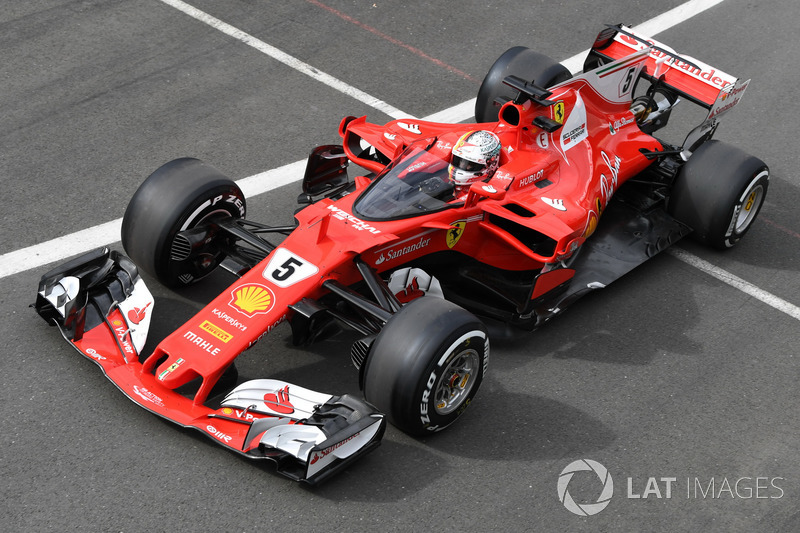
(103, 309)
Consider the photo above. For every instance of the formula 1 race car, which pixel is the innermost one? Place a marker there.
(559, 189)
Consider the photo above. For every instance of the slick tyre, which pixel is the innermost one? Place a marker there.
(719, 193)
(426, 365)
(181, 195)
(517, 61)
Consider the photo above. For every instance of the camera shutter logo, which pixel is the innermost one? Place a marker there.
(585, 509)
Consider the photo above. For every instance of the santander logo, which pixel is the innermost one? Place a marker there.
(279, 401)
(137, 314)
(695, 68)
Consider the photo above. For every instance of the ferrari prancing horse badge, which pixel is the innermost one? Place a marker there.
(455, 232)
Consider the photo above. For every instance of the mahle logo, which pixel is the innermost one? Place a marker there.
(584, 465)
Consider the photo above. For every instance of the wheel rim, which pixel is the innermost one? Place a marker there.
(197, 267)
(457, 381)
(749, 205)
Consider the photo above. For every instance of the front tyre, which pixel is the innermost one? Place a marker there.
(183, 195)
(719, 193)
(517, 61)
(426, 365)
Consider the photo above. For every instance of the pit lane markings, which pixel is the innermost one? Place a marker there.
(736, 282)
(652, 27)
(287, 59)
(104, 234)
(83, 241)
(416, 51)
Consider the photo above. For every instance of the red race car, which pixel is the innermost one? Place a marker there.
(559, 189)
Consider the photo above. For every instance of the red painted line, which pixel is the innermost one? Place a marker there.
(778, 226)
(415, 51)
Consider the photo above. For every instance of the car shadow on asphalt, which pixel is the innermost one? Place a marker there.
(632, 322)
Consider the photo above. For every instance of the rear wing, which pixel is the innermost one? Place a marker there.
(689, 77)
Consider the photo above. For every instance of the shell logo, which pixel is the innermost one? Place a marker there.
(252, 299)
(591, 224)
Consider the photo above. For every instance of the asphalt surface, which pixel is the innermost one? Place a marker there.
(681, 385)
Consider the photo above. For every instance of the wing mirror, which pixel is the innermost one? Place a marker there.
(326, 172)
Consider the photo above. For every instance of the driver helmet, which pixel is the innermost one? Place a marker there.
(476, 156)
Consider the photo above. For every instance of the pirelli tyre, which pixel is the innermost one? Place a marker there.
(719, 193)
(180, 196)
(426, 365)
(517, 61)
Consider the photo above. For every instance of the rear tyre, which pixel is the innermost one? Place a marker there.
(719, 193)
(426, 365)
(181, 195)
(517, 61)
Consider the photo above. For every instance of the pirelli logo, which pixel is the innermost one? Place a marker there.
(216, 331)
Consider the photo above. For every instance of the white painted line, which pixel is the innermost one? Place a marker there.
(457, 113)
(86, 240)
(59, 248)
(286, 59)
(652, 27)
(675, 16)
(108, 233)
(104, 234)
(736, 282)
(272, 179)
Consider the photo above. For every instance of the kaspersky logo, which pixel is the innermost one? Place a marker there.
(603, 483)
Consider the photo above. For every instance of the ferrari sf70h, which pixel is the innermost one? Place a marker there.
(577, 189)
